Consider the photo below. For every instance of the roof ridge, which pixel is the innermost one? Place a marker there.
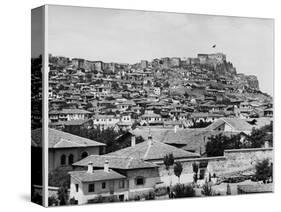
(129, 162)
(148, 148)
(63, 139)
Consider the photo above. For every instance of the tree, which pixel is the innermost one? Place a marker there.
(169, 161)
(264, 170)
(201, 124)
(63, 195)
(218, 143)
(259, 136)
(106, 136)
(178, 169)
(60, 176)
(228, 189)
(195, 168)
(215, 146)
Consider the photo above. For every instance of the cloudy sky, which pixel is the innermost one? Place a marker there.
(130, 36)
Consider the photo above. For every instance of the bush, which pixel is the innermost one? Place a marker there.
(53, 201)
(37, 198)
(63, 195)
(150, 196)
(160, 191)
(181, 190)
(137, 198)
(207, 189)
(264, 170)
(101, 199)
(73, 201)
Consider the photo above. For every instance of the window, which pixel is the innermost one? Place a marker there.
(62, 160)
(76, 187)
(103, 185)
(84, 155)
(139, 181)
(91, 187)
(122, 184)
(70, 159)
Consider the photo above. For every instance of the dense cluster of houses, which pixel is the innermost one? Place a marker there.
(163, 92)
(163, 101)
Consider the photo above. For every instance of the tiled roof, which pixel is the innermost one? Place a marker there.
(59, 139)
(153, 150)
(237, 124)
(96, 175)
(190, 139)
(115, 162)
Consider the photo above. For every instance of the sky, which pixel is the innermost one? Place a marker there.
(128, 36)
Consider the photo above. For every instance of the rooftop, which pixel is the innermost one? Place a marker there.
(153, 150)
(96, 175)
(115, 162)
(59, 139)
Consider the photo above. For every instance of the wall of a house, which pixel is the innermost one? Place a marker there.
(55, 155)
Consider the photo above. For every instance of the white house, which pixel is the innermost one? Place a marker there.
(136, 178)
(87, 185)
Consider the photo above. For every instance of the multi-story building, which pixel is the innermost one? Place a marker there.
(68, 115)
(144, 64)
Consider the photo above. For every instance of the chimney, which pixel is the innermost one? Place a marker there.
(90, 167)
(133, 140)
(175, 128)
(106, 166)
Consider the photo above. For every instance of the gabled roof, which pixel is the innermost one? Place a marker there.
(237, 124)
(153, 150)
(115, 162)
(96, 175)
(59, 139)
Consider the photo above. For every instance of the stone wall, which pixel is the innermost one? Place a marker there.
(232, 162)
(239, 160)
